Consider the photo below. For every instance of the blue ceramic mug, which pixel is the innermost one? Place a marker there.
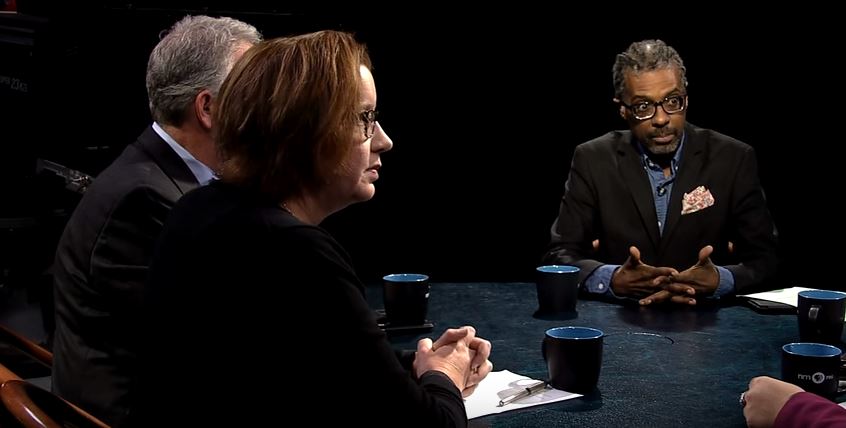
(406, 297)
(820, 314)
(813, 367)
(573, 357)
(558, 288)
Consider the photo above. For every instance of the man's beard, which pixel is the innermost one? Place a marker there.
(662, 149)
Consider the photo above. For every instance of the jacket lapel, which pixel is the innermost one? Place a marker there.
(170, 162)
(631, 169)
(688, 174)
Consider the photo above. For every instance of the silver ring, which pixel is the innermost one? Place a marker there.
(742, 399)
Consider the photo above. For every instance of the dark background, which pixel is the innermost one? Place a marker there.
(484, 107)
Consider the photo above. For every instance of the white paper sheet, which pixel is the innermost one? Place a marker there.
(499, 385)
(788, 296)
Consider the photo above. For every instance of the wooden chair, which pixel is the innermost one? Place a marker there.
(7, 375)
(33, 407)
(27, 405)
(22, 358)
(26, 346)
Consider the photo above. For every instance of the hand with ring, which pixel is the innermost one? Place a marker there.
(480, 350)
(764, 399)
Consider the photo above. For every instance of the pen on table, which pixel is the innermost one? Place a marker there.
(527, 391)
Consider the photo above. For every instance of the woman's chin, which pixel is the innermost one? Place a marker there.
(364, 193)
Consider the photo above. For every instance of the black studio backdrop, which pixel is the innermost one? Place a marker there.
(485, 108)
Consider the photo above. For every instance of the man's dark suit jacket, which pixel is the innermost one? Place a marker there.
(608, 197)
(100, 271)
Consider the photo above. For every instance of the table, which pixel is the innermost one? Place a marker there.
(662, 366)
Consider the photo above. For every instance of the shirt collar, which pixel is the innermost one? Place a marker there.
(201, 172)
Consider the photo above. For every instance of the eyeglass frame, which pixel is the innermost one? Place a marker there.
(655, 105)
(368, 119)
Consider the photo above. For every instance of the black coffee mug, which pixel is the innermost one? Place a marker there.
(406, 297)
(820, 314)
(814, 367)
(558, 288)
(573, 357)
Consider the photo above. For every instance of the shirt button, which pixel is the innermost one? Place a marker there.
(601, 286)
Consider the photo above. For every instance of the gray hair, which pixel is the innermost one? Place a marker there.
(196, 54)
(646, 55)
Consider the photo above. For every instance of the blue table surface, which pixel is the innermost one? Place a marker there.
(662, 366)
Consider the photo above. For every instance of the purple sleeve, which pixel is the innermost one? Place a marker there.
(807, 410)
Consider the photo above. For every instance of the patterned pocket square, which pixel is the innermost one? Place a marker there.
(698, 199)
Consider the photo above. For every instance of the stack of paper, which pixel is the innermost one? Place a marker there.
(788, 296)
(500, 385)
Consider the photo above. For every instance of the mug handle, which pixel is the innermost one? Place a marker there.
(813, 312)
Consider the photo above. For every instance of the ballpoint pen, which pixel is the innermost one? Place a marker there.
(527, 391)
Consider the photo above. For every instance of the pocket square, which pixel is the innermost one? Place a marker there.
(698, 199)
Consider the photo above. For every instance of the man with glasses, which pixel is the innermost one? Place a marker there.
(665, 211)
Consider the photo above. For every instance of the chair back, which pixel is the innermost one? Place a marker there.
(26, 346)
(33, 407)
(7, 375)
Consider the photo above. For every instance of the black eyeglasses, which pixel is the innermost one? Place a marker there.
(369, 119)
(646, 109)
